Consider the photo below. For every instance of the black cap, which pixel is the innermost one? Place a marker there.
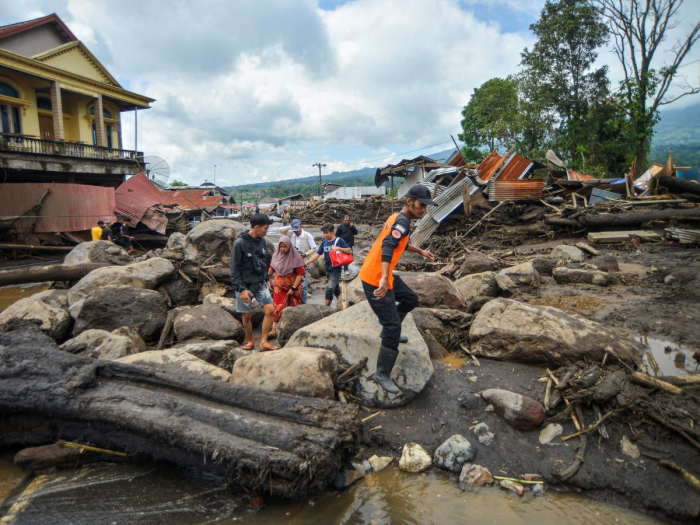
(422, 194)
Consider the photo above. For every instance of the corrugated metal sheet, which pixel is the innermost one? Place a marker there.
(516, 168)
(192, 200)
(140, 200)
(66, 207)
(489, 166)
(573, 175)
(515, 190)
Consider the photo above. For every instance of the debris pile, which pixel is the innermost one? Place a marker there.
(371, 211)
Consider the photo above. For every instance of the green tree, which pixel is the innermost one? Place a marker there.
(178, 183)
(490, 118)
(639, 29)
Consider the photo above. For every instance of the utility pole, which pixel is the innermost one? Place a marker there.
(214, 173)
(241, 205)
(320, 181)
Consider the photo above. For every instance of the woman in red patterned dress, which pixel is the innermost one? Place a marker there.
(288, 266)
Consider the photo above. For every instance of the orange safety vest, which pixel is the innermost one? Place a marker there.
(371, 271)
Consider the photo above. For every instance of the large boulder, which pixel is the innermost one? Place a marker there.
(102, 344)
(544, 265)
(568, 253)
(143, 275)
(299, 316)
(354, 292)
(46, 309)
(177, 361)
(433, 290)
(207, 322)
(307, 372)
(97, 252)
(606, 263)
(477, 262)
(211, 241)
(229, 304)
(218, 353)
(112, 307)
(478, 285)
(513, 331)
(180, 291)
(522, 277)
(565, 275)
(353, 334)
(520, 412)
(176, 242)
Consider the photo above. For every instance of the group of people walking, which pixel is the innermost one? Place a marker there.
(389, 297)
(103, 232)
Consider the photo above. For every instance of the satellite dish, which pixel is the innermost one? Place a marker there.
(157, 170)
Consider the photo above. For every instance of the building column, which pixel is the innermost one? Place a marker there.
(100, 122)
(57, 110)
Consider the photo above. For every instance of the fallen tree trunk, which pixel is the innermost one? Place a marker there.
(675, 185)
(53, 272)
(286, 445)
(636, 219)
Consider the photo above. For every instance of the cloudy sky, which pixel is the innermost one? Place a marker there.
(265, 89)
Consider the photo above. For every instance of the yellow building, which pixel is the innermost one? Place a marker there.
(60, 109)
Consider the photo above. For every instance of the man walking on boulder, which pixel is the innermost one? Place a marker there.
(384, 290)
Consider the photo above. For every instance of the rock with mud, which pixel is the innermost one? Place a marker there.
(46, 309)
(512, 486)
(303, 315)
(380, 463)
(177, 242)
(101, 344)
(433, 290)
(414, 458)
(177, 361)
(207, 322)
(606, 263)
(520, 412)
(478, 285)
(229, 304)
(628, 448)
(513, 331)
(354, 292)
(112, 307)
(477, 262)
(210, 241)
(348, 476)
(474, 476)
(548, 433)
(484, 434)
(565, 275)
(180, 291)
(218, 353)
(522, 277)
(97, 252)
(307, 372)
(353, 334)
(565, 252)
(144, 275)
(454, 453)
(543, 265)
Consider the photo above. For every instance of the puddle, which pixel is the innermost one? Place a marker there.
(454, 361)
(664, 358)
(11, 294)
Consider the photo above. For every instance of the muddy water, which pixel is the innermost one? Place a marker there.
(12, 294)
(158, 495)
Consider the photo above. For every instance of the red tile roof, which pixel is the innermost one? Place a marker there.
(140, 200)
(20, 27)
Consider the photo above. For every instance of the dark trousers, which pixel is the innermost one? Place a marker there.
(389, 313)
(332, 283)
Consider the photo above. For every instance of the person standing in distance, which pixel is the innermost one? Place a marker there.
(250, 279)
(383, 289)
(97, 231)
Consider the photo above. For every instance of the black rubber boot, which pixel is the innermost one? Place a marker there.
(403, 339)
(385, 362)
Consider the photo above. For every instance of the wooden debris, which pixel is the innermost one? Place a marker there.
(53, 272)
(622, 236)
(587, 248)
(689, 478)
(648, 381)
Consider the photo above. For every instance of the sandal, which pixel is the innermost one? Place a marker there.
(249, 346)
(271, 337)
(268, 348)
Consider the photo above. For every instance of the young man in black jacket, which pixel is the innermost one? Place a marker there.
(249, 278)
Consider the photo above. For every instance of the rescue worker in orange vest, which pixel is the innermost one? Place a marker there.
(384, 290)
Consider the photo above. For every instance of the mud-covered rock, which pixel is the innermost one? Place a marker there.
(520, 412)
(353, 334)
(606, 263)
(101, 344)
(474, 476)
(299, 316)
(212, 240)
(112, 307)
(177, 242)
(414, 458)
(97, 252)
(307, 372)
(513, 331)
(454, 453)
(180, 291)
(218, 353)
(433, 290)
(565, 252)
(576, 276)
(207, 322)
(229, 304)
(46, 309)
(177, 361)
(478, 285)
(543, 265)
(477, 262)
(522, 277)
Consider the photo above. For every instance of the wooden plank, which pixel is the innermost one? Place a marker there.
(613, 237)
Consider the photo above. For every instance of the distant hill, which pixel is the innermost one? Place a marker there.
(678, 131)
(309, 185)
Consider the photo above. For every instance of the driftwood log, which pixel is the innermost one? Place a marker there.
(637, 219)
(281, 444)
(679, 186)
(53, 272)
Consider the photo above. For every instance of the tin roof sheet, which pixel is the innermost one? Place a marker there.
(139, 199)
(192, 199)
(573, 175)
(515, 168)
(65, 208)
(516, 190)
(489, 166)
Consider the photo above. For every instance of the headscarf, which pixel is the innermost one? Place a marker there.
(285, 264)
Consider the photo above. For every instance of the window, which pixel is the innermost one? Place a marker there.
(44, 103)
(105, 112)
(10, 121)
(108, 129)
(8, 90)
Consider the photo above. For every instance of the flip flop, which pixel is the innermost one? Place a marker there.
(268, 348)
(270, 337)
(249, 346)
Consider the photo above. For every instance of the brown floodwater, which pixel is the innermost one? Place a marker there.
(137, 494)
(12, 294)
